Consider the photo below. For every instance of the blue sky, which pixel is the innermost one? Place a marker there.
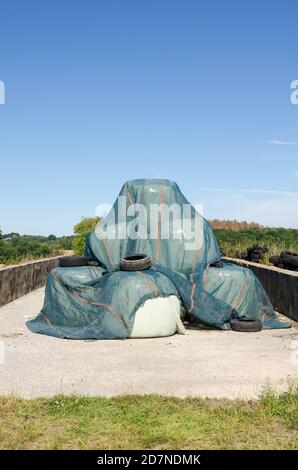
(99, 92)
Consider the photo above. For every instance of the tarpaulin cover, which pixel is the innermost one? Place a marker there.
(100, 302)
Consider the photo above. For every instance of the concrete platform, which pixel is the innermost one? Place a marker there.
(202, 363)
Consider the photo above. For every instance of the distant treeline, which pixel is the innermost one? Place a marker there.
(233, 225)
(15, 248)
(233, 237)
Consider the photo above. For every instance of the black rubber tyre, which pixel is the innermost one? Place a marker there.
(288, 253)
(246, 325)
(255, 259)
(290, 258)
(73, 261)
(281, 266)
(93, 262)
(137, 262)
(217, 264)
(258, 250)
(275, 260)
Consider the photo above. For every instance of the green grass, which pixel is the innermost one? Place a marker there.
(149, 422)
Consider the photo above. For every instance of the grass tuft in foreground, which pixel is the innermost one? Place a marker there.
(152, 422)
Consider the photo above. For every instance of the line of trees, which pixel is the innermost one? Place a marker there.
(234, 225)
(233, 237)
(15, 247)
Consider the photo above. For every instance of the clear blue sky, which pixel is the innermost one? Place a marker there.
(98, 92)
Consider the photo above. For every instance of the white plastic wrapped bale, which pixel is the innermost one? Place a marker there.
(158, 317)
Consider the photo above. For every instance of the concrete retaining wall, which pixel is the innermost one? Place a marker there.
(281, 286)
(21, 279)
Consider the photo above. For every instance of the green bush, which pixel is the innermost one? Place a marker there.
(81, 230)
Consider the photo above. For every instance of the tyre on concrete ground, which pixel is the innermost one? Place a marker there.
(73, 261)
(137, 262)
(246, 325)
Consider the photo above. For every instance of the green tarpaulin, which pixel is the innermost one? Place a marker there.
(100, 302)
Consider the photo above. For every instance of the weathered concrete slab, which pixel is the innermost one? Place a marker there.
(202, 363)
(18, 280)
(281, 285)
